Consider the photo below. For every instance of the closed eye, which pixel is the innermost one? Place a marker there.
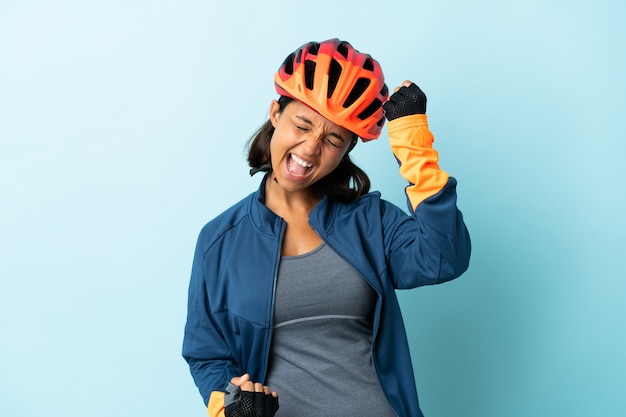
(333, 142)
(304, 125)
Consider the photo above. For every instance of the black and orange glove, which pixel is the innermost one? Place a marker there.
(405, 102)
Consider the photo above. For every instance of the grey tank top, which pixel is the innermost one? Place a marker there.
(320, 359)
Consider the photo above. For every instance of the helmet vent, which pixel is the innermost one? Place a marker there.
(359, 88)
(368, 64)
(334, 72)
(299, 56)
(314, 47)
(342, 48)
(309, 73)
(371, 109)
(384, 91)
(288, 65)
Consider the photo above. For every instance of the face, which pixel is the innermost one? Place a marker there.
(305, 146)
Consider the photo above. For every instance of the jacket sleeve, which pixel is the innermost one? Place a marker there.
(204, 347)
(434, 245)
(216, 404)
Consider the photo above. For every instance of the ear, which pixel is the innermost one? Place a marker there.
(274, 112)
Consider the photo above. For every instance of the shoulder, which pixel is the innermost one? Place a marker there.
(369, 209)
(370, 202)
(225, 221)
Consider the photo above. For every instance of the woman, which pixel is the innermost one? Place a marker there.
(292, 290)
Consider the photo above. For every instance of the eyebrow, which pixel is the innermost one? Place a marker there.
(334, 134)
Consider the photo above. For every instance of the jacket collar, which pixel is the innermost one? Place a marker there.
(271, 224)
(264, 219)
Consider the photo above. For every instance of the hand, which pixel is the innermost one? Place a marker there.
(406, 100)
(245, 398)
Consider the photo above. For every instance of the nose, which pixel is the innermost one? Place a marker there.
(312, 144)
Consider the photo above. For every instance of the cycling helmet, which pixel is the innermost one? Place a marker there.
(342, 84)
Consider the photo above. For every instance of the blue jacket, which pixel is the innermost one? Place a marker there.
(231, 293)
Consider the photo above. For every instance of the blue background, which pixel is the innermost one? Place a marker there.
(122, 131)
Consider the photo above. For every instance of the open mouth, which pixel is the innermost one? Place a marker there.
(297, 166)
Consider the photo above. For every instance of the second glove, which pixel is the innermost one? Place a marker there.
(405, 102)
(248, 404)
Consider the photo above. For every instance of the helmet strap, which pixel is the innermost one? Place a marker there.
(264, 168)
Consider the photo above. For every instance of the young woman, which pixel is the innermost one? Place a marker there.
(292, 290)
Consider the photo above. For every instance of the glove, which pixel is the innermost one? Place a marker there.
(239, 403)
(405, 102)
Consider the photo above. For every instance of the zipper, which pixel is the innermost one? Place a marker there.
(268, 340)
(380, 296)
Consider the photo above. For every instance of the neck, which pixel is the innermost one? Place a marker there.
(287, 203)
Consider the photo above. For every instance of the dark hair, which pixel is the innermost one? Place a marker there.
(346, 183)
